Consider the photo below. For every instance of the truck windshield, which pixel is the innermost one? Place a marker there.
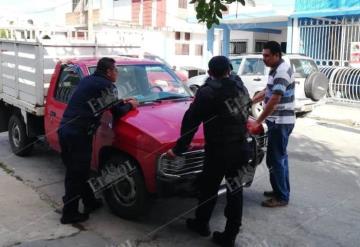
(148, 83)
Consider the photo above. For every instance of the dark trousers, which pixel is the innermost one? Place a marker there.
(222, 161)
(277, 158)
(76, 150)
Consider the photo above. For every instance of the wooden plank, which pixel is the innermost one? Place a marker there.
(28, 62)
(32, 77)
(9, 91)
(26, 88)
(10, 84)
(7, 58)
(39, 86)
(29, 98)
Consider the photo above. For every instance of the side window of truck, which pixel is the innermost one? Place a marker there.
(67, 83)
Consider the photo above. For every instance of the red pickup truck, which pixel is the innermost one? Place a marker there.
(137, 141)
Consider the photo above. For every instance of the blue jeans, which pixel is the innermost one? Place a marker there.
(277, 158)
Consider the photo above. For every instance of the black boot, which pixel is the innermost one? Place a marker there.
(70, 213)
(73, 218)
(91, 207)
(228, 237)
(198, 227)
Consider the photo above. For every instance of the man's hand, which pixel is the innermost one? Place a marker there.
(258, 97)
(134, 103)
(253, 126)
(170, 154)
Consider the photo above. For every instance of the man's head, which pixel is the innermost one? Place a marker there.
(271, 53)
(107, 67)
(219, 67)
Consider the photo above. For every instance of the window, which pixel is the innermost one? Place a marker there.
(177, 35)
(198, 50)
(187, 36)
(254, 66)
(182, 49)
(69, 79)
(183, 4)
(238, 47)
(75, 4)
(236, 62)
(259, 45)
(303, 67)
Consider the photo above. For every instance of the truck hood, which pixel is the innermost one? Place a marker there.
(162, 121)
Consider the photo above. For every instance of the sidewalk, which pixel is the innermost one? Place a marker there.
(24, 216)
(339, 113)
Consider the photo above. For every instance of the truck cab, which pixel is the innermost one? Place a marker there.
(128, 160)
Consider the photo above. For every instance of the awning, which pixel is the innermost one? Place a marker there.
(328, 12)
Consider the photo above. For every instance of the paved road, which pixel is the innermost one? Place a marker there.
(324, 208)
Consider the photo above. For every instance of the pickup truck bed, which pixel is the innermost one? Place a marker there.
(26, 68)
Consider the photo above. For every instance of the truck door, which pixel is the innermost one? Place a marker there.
(253, 74)
(66, 84)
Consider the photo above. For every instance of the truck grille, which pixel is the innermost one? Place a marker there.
(188, 163)
(261, 141)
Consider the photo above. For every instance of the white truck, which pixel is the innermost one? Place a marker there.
(27, 67)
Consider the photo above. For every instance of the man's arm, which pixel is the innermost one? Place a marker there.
(270, 107)
(193, 117)
(121, 109)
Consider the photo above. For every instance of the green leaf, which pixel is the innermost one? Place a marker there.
(223, 7)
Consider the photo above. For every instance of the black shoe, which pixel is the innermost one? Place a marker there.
(198, 227)
(74, 218)
(269, 193)
(223, 239)
(91, 207)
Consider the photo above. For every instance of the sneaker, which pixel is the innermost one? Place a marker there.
(269, 193)
(198, 227)
(222, 239)
(273, 203)
(89, 208)
(74, 218)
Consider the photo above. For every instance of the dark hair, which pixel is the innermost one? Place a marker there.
(274, 47)
(219, 66)
(104, 64)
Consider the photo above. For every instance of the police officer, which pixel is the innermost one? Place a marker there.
(226, 148)
(79, 123)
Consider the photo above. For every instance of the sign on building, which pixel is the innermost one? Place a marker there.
(355, 54)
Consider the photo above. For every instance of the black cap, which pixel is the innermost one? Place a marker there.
(219, 65)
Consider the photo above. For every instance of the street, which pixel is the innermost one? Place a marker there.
(324, 208)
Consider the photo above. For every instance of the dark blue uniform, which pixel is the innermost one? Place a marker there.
(226, 148)
(80, 121)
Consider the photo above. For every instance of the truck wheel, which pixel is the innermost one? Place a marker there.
(127, 197)
(20, 143)
(257, 109)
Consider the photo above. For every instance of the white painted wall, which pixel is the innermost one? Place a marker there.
(121, 10)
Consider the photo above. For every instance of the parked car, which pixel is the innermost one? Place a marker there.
(137, 141)
(311, 85)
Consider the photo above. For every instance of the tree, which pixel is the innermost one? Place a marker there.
(210, 12)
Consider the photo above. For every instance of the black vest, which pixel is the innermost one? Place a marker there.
(231, 104)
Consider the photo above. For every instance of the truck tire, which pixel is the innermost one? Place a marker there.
(20, 143)
(128, 197)
(316, 86)
(257, 109)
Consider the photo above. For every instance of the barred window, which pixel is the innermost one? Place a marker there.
(182, 49)
(183, 4)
